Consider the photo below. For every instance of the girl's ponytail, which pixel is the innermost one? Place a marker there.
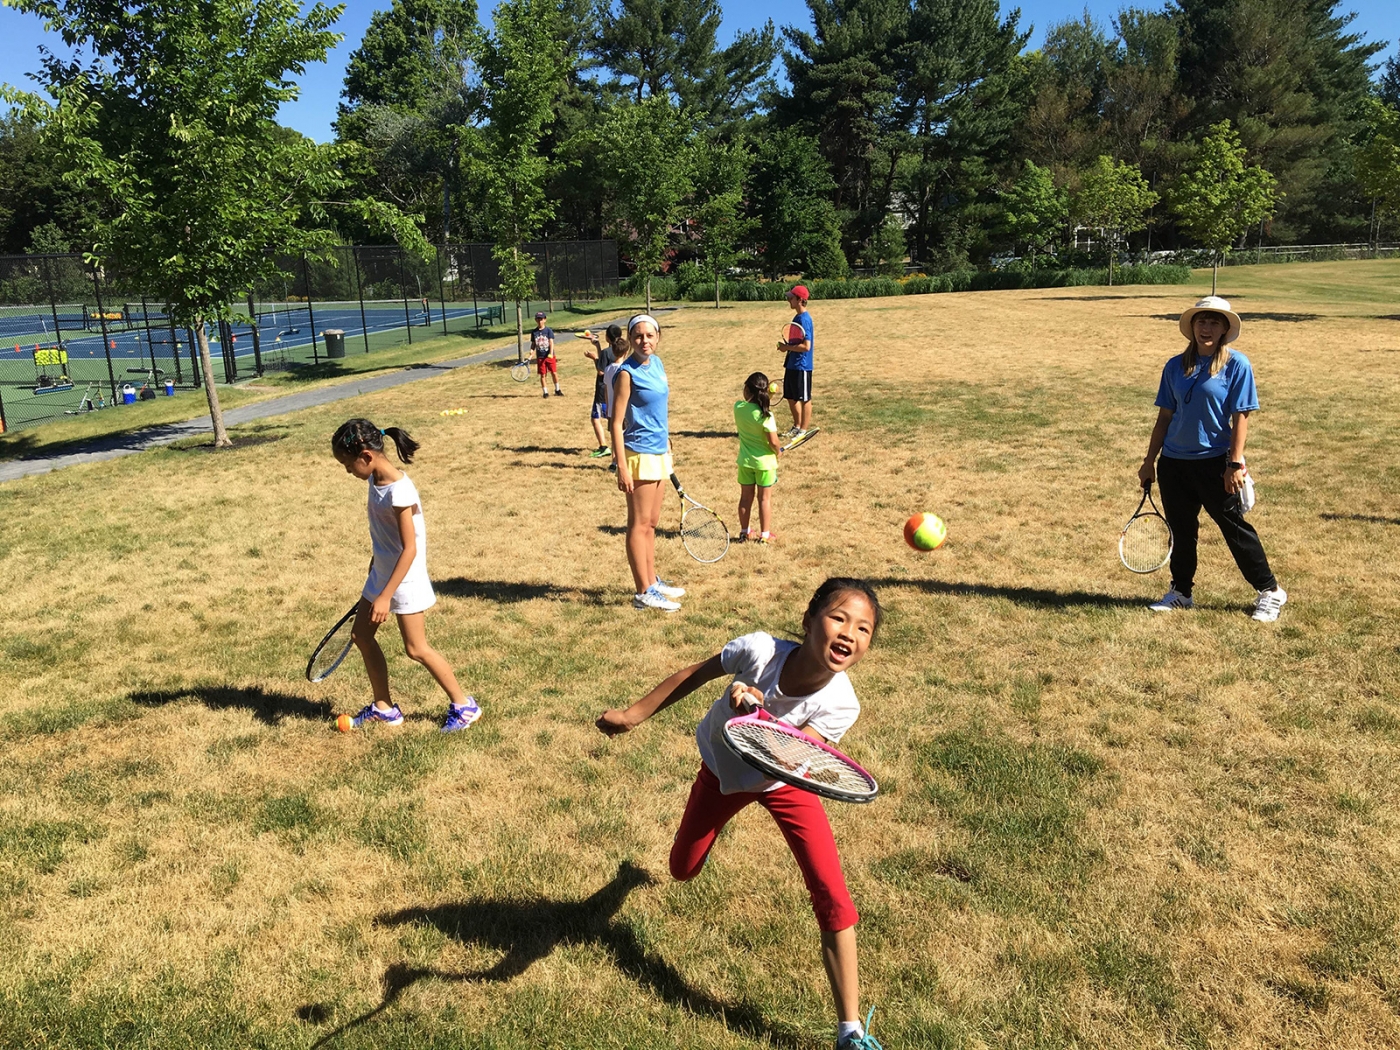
(756, 387)
(355, 435)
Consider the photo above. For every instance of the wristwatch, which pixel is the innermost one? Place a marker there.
(1234, 464)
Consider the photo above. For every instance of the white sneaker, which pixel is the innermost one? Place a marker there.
(1267, 605)
(654, 599)
(667, 590)
(1173, 600)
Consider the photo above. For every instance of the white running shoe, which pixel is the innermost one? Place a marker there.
(1267, 605)
(667, 590)
(654, 599)
(1173, 600)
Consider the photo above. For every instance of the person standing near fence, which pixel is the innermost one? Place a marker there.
(542, 342)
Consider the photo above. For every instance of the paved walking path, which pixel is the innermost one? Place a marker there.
(113, 446)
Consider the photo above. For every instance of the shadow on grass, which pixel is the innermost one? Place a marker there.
(1033, 597)
(529, 930)
(510, 592)
(1282, 318)
(1374, 519)
(705, 434)
(268, 708)
(557, 450)
(621, 530)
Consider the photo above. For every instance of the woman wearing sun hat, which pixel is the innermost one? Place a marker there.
(1203, 405)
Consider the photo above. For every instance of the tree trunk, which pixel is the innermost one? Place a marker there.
(716, 288)
(216, 414)
(519, 333)
(1214, 271)
(1112, 251)
(648, 293)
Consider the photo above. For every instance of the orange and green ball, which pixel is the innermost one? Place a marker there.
(345, 723)
(925, 532)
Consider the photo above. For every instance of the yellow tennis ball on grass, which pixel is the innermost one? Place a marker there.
(925, 532)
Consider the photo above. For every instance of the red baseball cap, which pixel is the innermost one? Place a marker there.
(801, 292)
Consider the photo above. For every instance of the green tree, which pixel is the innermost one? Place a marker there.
(1114, 197)
(652, 173)
(523, 66)
(408, 101)
(798, 230)
(172, 128)
(1378, 161)
(670, 47)
(720, 224)
(1217, 199)
(1035, 208)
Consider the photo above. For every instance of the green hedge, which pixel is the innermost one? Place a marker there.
(959, 281)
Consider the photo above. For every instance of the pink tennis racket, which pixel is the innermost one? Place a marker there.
(787, 754)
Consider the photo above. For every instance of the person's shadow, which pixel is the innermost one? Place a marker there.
(528, 930)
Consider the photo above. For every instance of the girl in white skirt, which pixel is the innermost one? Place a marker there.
(398, 578)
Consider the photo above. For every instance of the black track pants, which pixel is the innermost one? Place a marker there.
(1187, 486)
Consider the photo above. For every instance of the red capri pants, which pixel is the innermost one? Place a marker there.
(801, 819)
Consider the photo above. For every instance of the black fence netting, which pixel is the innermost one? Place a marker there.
(75, 340)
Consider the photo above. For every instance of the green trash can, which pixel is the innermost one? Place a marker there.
(335, 341)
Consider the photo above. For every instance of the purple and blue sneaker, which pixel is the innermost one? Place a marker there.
(461, 717)
(391, 717)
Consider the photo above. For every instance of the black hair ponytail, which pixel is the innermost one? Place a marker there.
(756, 387)
(836, 586)
(355, 435)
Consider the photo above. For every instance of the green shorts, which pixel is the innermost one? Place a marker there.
(754, 476)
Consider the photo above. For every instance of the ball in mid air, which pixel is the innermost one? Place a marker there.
(774, 387)
(925, 532)
(345, 723)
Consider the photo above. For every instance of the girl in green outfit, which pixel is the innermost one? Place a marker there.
(759, 448)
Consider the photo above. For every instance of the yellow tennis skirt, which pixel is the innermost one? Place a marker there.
(649, 466)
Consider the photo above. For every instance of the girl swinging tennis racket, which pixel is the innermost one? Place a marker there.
(805, 686)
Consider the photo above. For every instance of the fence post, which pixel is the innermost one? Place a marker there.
(471, 265)
(360, 292)
(146, 321)
(226, 345)
(175, 349)
(3, 427)
(310, 311)
(257, 342)
(569, 277)
(106, 342)
(194, 357)
(548, 278)
(403, 291)
(53, 303)
(442, 298)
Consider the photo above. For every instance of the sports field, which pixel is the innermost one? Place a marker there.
(1098, 827)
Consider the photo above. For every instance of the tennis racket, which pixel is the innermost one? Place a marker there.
(334, 647)
(520, 371)
(704, 535)
(792, 333)
(799, 441)
(1145, 544)
(787, 754)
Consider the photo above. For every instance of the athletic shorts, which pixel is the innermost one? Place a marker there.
(755, 476)
(547, 364)
(649, 466)
(797, 385)
(599, 410)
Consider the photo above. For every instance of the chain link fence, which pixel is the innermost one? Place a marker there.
(74, 340)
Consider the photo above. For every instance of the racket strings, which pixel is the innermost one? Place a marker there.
(704, 535)
(332, 651)
(1146, 543)
(795, 756)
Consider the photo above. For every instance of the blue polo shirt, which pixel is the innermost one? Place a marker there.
(1202, 404)
(645, 427)
(802, 362)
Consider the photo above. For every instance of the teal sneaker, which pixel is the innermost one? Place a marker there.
(864, 1041)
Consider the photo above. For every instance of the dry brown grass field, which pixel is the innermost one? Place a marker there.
(1098, 827)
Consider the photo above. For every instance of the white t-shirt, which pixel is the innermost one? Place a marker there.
(757, 659)
(610, 374)
(415, 593)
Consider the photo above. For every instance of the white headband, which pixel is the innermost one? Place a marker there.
(638, 319)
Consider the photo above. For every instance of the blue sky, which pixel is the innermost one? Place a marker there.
(313, 112)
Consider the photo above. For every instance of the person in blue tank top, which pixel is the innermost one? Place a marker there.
(642, 449)
(1204, 400)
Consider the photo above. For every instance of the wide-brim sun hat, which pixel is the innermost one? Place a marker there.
(1211, 304)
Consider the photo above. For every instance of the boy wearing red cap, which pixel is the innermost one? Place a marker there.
(797, 366)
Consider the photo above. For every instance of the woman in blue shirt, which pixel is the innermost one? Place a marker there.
(642, 449)
(1203, 402)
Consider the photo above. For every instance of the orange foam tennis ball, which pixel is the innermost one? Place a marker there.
(345, 723)
(925, 532)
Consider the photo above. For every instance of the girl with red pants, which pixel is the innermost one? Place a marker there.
(805, 685)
